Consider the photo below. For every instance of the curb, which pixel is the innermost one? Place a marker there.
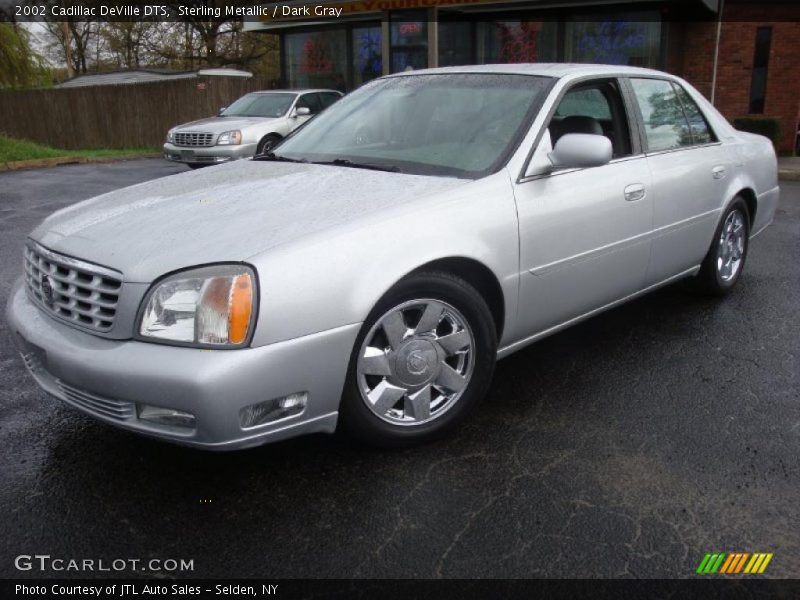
(43, 163)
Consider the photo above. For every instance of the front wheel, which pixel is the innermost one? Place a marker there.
(724, 263)
(267, 144)
(422, 361)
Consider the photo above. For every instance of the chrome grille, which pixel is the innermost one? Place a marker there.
(80, 293)
(193, 139)
(116, 409)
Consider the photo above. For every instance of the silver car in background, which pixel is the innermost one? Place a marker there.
(368, 273)
(252, 125)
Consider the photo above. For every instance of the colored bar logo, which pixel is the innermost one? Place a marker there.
(734, 563)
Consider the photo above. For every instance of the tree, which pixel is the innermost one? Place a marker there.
(20, 65)
(124, 43)
(71, 43)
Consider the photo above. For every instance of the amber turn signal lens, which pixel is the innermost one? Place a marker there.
(241, 307)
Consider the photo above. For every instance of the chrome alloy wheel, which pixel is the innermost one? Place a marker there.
(731, 246)
(415, 362)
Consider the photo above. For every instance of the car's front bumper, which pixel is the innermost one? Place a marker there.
(210, 155)
(110, 379)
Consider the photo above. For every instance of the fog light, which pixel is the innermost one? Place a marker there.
(272, 410)
(166, 416)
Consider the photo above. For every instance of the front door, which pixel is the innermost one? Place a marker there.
(584, 233)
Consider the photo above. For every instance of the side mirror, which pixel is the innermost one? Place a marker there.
(580, 151)
(302, 111)
(222, 110)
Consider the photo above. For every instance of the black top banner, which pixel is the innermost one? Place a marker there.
(330, 11)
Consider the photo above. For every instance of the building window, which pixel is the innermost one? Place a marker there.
(758, 84)
(486, 42)
(517, 41)
(367, 54)
(614, 41)
(456, 43)
(317, 59)
(409, 40)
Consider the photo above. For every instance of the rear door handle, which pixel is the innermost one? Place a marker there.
(634, 192)
(718, 172)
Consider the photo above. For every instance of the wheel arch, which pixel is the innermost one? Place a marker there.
(478, 275)
(269, 134)
(751, 200)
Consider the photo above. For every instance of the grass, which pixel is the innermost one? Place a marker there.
(13, 150)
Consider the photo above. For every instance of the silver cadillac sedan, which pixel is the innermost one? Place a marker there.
(252, 125)
(369, 271)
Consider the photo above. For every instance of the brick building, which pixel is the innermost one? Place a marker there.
(742, 54)
(758, 65)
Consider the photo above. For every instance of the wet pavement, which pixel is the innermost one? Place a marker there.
(629, 445)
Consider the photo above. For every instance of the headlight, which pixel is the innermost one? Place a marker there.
(170, 136)
(230, 138)
(209, 306)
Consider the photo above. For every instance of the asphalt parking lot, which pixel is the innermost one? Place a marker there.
(628, 446)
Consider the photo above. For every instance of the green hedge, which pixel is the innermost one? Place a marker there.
(767, 126)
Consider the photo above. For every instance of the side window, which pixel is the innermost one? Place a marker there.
(701, 132)
(589, 102)
(665, 123)
(309, 101)
(328, 98)
(597, 109)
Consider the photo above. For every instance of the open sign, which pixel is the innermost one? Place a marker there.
(410, 28)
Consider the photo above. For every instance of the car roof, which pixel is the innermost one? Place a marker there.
(304, 91)
(557, 70)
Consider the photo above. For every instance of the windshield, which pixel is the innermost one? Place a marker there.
(260, 105)
(455, 124)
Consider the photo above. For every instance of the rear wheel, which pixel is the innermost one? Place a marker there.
(724, 263)
(422, 361)
(195, 165)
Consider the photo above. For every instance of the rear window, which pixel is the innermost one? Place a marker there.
(665, 122)
(701, 132)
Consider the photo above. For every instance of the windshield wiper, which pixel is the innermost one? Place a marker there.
(276, 157)
(346, 162)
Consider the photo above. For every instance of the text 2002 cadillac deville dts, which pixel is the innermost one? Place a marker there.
(369, 272)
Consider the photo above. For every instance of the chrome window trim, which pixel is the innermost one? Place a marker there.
(621, 159)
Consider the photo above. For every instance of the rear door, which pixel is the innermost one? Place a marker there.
(689, 168)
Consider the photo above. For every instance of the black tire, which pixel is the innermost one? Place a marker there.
(709, 280)
(359, 421)
(267, 143)
(195, 165)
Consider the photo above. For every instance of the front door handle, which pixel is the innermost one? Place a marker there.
(718, 172)
(634, 192)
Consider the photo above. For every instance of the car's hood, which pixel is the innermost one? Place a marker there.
(220, 124)
(225, 213)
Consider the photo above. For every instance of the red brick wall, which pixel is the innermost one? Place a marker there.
(737, 47)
